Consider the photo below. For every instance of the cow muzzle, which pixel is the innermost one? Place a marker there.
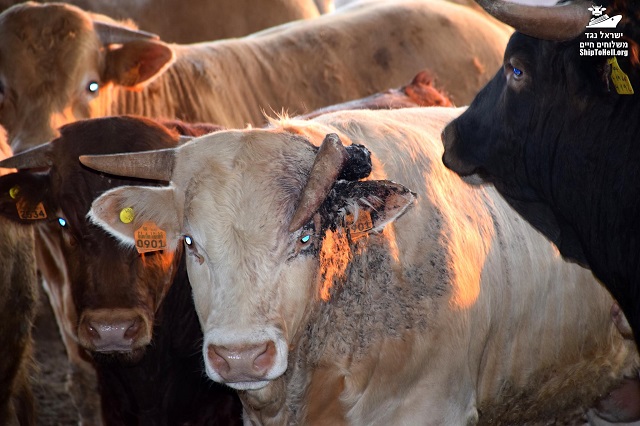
(451, 157)
(113, 331)
(246, 364)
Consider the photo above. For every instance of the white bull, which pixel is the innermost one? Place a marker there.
(326, 299)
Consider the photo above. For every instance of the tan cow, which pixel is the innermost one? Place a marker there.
(58, 66)
(330, 300)
(179, 22)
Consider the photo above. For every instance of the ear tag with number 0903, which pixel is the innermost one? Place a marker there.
(150, 238)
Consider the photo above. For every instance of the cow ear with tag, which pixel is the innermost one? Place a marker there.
(22, 197)
(362, 207)
(137, 63)
(128, 211)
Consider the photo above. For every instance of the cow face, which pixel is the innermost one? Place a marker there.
(540, 121)
(115, 290)
(57, 65)
(259, 237)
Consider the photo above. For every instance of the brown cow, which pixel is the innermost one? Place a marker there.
(88, 69)
(178, 22)
(419, 93)
(17, 311)
(133, 313)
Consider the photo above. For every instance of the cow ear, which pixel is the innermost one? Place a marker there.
(362, 207)
(123, 211)
(22, 197)
(137, 63)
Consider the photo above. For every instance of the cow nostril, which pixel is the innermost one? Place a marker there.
(133, 330)
(264, 361)
(218, 362)
(92, 332)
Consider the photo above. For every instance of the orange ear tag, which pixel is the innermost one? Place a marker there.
(361, 227)
(30, 213)
(150, 238)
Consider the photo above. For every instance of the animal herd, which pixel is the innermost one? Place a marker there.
(288, 214)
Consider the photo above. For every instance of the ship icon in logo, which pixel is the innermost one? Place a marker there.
(601, 19)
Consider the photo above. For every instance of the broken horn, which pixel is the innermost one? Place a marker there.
(327, 166)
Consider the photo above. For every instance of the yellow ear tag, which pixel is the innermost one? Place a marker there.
(150, 238)
(13, 192)
(620, 79)
(126, 215)
(30, 213)
(361, 227)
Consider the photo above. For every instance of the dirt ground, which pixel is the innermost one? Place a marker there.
(54, 403)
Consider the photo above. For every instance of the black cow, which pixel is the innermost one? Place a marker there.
(132, 312)
(559, 142)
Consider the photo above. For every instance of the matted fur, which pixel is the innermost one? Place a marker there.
(432, 320)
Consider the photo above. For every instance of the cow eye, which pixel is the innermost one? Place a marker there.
(193, 250)
(305, 239)
(62, 222)
(517, 72)
(93, 87)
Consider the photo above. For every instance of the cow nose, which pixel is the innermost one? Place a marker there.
(448, 136)
(121, 331)
(242, 363)
(451, 157)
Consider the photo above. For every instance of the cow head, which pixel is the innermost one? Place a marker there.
(257, 211)
(115, 290)
(540, 127)
(57, 63)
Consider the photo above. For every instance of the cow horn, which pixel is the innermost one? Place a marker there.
(157, 165)
(557, 23)
(328, 164)
(110, 33)
(34, 158)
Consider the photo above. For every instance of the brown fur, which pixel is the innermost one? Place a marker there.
(201, 21)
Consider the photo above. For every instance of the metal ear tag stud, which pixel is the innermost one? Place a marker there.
(126, 215)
